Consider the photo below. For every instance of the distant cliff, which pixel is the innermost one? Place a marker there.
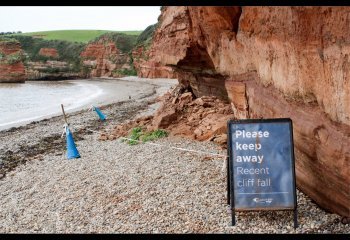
(11, 61)
(108, 56)
(51, 59)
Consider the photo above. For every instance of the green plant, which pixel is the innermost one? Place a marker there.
(15, 57)
(55, 69)
(126, 72)
(125, 43)
(146, 35)
(67, 51)
(136, 135)
(8, 39)
(85, 70)
(150, 136)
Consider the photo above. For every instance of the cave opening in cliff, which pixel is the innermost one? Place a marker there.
(197, 72)
(197, 58)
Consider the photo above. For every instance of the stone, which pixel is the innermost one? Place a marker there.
(199, 101)
(221, 139)
(198, 132)
(112, 137)
(185, 99)
(183, 130)
(164, 119)
(103, 138)
(237, 95)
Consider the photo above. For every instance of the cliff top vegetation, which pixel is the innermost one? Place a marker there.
(78, 36)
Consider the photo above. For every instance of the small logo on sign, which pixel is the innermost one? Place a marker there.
(262, 200)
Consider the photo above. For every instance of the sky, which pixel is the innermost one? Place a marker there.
(34, 19)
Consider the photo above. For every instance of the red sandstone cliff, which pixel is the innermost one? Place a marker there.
(50, 70)
(150, 69)
(11, 62)
(104, 58)
(49, 52)
(273, 62)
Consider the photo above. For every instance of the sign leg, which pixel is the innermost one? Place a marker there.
(228, 181)
(295, 218)
(233, 217)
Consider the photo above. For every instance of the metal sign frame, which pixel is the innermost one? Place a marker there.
(230, 170)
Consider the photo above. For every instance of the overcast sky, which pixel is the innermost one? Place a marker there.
(33, 19)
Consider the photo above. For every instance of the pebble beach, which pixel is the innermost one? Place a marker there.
(119, 188)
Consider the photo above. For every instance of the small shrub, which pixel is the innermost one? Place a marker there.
(126, 72)
(136, 135)
(8, 39)
(146, 35)
(14, 58)
(150, 136)
(125, 43)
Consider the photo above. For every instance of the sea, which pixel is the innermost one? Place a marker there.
(22, 103)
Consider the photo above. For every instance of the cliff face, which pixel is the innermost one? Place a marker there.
(48, 52)
(11, 62)
(50, 70)
(144, 65)
(147, 68)
(272, 62)
(104, 59)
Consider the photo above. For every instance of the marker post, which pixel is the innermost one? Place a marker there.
(72, 151)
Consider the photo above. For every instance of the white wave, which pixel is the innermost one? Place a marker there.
(83, 94)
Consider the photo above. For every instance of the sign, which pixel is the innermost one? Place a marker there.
(261, 172)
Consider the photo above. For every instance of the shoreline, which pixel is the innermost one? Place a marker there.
(118, 188)
(44, 133)
(106, 95)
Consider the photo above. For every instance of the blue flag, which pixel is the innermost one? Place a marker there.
(72, 151)
(100, 114)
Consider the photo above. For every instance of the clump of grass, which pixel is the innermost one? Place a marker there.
(136, 135)
(127, 72)
(150, 136)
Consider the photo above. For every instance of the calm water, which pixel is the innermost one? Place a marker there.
(33, 100)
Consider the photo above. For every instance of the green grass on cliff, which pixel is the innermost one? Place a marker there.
(145, 37)
(80, 36)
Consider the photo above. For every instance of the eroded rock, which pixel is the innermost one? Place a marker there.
(183, 118)
(272, 62)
